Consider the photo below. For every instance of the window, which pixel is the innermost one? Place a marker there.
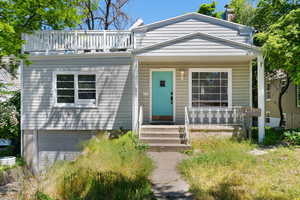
(268, 117)
(268, 91)
(298, 95)
(210, 88)
(75, 89)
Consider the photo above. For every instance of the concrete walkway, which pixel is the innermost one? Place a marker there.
(167, 182)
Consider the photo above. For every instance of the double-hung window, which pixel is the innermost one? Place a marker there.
(211, 88)
(73, 89)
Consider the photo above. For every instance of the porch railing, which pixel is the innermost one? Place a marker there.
(140, 121)
(77, 41)
(217, 115)
(187, 126)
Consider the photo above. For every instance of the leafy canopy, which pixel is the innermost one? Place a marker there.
(26, 16)
(281, 45)
(210, 10)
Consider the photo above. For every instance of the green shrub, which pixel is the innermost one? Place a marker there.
(107, 169)
(292, 137)
(273, 136)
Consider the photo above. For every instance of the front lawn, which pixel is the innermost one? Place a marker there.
(224, 169)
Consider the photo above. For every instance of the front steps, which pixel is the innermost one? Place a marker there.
(163, 138)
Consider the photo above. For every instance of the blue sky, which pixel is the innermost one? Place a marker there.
(156, 10)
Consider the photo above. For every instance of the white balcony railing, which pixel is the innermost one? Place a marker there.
(77, 41)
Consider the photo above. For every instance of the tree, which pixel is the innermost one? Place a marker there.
(210, 10)
(243, 10)
(281, 47)
(104, 14)
(27, 16)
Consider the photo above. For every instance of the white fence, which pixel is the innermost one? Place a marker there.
(77, 41)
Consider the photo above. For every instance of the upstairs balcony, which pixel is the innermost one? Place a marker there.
(77, 42)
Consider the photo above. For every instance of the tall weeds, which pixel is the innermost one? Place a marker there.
(107, 169)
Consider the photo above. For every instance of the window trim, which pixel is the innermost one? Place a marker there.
(76, 100)
(268, 91)
(229, 89)
(297, 96)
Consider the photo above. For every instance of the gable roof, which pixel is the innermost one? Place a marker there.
(193, 35)
(194, 15)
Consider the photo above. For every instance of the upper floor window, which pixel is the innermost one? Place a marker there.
(268, 91)
(73, 89)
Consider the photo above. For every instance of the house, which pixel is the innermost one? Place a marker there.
(187, 70)
(290, 104)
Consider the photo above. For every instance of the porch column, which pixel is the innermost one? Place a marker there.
(135, 93)
(261, 97)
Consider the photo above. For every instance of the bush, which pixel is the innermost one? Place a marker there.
(9, 128)
(273, 136)
(107, 169)
(292, 137)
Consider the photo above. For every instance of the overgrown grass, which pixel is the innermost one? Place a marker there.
(108, 169)
(225, 170)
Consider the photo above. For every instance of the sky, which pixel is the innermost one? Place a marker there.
(156, 10)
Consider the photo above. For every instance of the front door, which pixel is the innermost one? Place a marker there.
(162, 95)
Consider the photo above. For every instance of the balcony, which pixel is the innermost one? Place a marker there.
(77, 42)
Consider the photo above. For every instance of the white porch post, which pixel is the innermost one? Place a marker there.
(261, 97)
(135, 93)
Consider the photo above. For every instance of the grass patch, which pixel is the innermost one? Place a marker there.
(224, 170)
(107, 169)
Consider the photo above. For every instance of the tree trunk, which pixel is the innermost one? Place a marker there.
(281, 94)
(106, 17)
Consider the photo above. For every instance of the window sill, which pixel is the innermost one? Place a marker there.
(76, 106)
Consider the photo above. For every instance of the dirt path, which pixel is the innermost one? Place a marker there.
(167, 182)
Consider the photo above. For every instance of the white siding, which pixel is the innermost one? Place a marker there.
(113, 87)
(187, 26)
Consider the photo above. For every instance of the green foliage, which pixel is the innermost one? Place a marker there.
(292, 137)
(110, 169)
(9, 128)
(42, 196)
(281, 45)
(210, 10)
(273, 136)
(224, 169)
(26, 16)
(244, 12)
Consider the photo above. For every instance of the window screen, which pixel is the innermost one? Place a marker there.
(86, 86)
(65, 88)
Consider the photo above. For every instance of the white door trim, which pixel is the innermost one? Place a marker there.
(174, 89)
(229, 89)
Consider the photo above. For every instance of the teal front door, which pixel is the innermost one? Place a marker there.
(162, 96)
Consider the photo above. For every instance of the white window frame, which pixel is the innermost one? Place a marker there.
(229, 88)
(76, 104)
(268, 115)
(268, 91)
(297, 96)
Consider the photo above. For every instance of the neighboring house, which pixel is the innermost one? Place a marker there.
(8, 83)
(188, 69)
(290, 104)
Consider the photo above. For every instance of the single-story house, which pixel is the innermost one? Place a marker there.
(190, 69)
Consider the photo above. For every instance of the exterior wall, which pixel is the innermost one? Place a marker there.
(43, 148)
(240, 84)
(289, 106)
(114, 106)
(184, 26)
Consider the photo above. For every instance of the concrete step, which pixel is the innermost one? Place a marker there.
(157, 147)
(160, 140)
(162, 134)
(160, 128)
